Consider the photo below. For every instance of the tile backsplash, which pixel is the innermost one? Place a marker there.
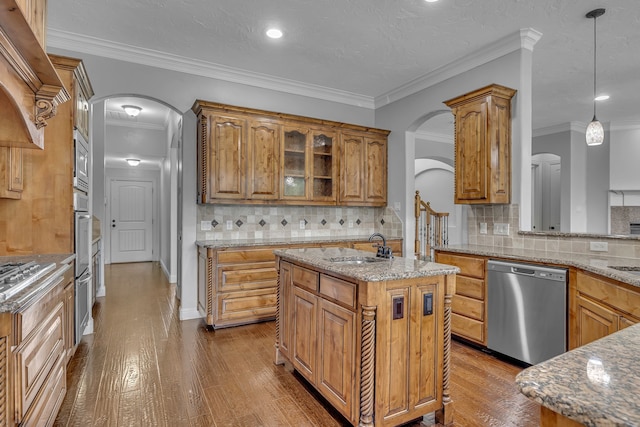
(263, 222)
(553, 242)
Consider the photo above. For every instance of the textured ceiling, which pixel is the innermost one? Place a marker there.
(370, 47)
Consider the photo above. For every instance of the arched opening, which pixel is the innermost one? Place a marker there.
(153, 138)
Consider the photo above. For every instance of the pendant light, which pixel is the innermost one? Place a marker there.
(595, 132)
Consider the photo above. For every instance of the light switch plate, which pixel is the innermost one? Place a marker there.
(501, 229)
(205, 225)
(599, 246)
(483, 228)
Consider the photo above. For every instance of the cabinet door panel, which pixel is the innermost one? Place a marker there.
(352, 168)
(285, 300)
(263, 153)
(324, 169)
(305, 306)
(376, 171)
(227, 158)
(471, 154)
(295, 168)
(336, 356)
(594, 321)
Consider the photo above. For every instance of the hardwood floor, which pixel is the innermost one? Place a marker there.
(144, 367)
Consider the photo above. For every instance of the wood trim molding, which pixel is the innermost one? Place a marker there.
(367, 366)
(445, 415)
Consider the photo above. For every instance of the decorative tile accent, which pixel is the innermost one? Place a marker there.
(262, 222)
(358, 221)
(323, 222)
(284, 222)
(305, 221)
(214, 223)
(382, 221)
(341, 222)
(239, 223)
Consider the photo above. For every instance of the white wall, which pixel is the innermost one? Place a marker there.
(624, 156)
(180, 90)
(512, 70)
(598, 185)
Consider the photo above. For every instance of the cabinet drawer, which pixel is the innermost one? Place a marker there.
(37, 356)
(253, 276)
(246, 255)
(469, 266)
(338, 290)
(32, 316)
(468, 307)
(609, 293)
(305, 278)
(249, 305)
(467, 328)
(470, 287)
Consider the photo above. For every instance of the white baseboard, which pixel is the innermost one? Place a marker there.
(88, 330)
(172, 278)
(101, 291)
(190, 313)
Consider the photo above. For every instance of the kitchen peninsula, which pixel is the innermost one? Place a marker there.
(371, 334)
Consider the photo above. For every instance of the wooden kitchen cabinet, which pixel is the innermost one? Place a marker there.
(468, 306)
(248, 156)
(602, 306)
(237, 286)
(343, 330)
(11, 173)
(363, 170)
(483, 145)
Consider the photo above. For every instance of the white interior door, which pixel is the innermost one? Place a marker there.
(131, 221)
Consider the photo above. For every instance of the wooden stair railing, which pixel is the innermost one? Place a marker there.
(431, 229)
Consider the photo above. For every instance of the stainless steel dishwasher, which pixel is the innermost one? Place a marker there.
(527, 311)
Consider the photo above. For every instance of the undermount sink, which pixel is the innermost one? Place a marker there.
(357, 260)
(626, 269)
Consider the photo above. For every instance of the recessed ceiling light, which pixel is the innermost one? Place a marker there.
(274, 33)
(602, 97)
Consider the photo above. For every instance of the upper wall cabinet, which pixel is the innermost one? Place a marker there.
(363, 169)
(30, 88)
(483, 145)
(253, 156)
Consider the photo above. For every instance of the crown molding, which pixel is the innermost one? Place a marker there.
(435, 137)
(153, 58)
(625, 125)
(525, 38)
(562, 127)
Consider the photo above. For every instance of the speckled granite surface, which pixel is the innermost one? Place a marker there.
(393, 269)
(596, 384)
(596, 264)
(236, 243)
(584, 235)
(24, 296)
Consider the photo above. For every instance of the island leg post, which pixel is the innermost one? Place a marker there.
(444, 416)
(367, 366)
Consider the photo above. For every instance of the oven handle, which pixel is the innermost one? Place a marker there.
(84, 216)
(85, 277)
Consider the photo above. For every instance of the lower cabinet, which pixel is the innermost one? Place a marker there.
(237, 286)
(370, 348)
(468, 319)
(602, 307)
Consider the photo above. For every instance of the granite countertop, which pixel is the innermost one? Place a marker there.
(394, 269)
(594, 263)
(236, 243)
(596, 384)
(23, 297)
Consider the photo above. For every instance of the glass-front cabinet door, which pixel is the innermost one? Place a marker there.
(294, 163)
(323, 171)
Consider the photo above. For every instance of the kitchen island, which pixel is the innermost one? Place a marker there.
(372, 335)
(593, 385)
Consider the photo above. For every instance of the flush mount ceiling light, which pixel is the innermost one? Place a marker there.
(431, 1)
(602, 97)
(274, 33)
(131, 110)
(133, 162)
(595, 132)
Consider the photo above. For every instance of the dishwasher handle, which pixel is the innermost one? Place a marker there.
(524, 271)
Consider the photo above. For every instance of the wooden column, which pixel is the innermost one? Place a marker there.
(445, 415)
(367, 366)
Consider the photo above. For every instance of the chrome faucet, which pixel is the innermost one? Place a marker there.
(384, 251)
